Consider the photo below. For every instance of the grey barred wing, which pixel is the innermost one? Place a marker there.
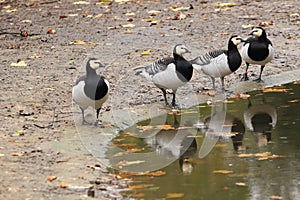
(205, 59)
(159, 65)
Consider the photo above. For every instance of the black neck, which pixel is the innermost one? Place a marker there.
(234, 57)
(184, 68)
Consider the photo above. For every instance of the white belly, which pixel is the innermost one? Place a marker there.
(84, 101)
(247, 59)
(218, 67)
(168, 79)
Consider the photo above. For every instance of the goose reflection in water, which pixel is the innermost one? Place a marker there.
(179, 143)
(232, 128)
(261, 120)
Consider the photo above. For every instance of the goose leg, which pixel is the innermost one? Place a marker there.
(97, 120)
(165, 96)
(84, 122)
(223, 84)
(245, 75)
(259, 78)
(174, 105)
(213, 82)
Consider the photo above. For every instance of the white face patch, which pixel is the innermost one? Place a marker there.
(236, 40)
(181, 49)
(257, 32)
(95, 64)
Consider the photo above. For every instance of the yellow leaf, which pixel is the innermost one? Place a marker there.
(231, 4)
(147, 52)
(127, 31)
(174, 195)
(80, 42)
(19, 64)
(165, 127)
(16, 154)
(221, 171)
(295, 15)
(1, 154)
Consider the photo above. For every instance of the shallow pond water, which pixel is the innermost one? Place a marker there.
(254, 155)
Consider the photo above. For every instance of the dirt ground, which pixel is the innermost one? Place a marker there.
(38, 159)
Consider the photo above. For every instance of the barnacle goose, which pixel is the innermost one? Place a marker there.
(91, 90)
(169, 73)
(220, 63)
(257, 50)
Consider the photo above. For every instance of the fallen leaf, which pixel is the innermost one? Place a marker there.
(288, 36)
(26, 21)
(240, 184)
(51, 31)
(128, 25)
(174, 195)
(266, 23)
(130, 14)
(294, 101)
(241, 96)
(156, 173)
(16, 154)
(295, 15)
(127, 163)
(134, 150)
(80, 42)
(51, 178)
(73, 15)
(275, 197)
(222, 171)
(98, 16)
(176, 9)
(1, 154)
(81, 3)
(147, 52)
(153, 12)
(247, 26)
(164, 127)
(21, 63)
(266, 90)
(63, 185)
(127, 31)
(230, 4)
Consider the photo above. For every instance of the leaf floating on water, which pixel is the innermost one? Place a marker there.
(221, 171)
(276, 197)
(266, 90)
(294, 101)
(165, 127)
(174, 195)
(21, 63)
(156, 173)
(261, 156)
(241, 96)
(240, 184)
(127, 163)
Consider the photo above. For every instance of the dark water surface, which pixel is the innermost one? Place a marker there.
(256, 155)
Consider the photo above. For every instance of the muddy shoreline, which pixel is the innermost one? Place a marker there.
(39, 138)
